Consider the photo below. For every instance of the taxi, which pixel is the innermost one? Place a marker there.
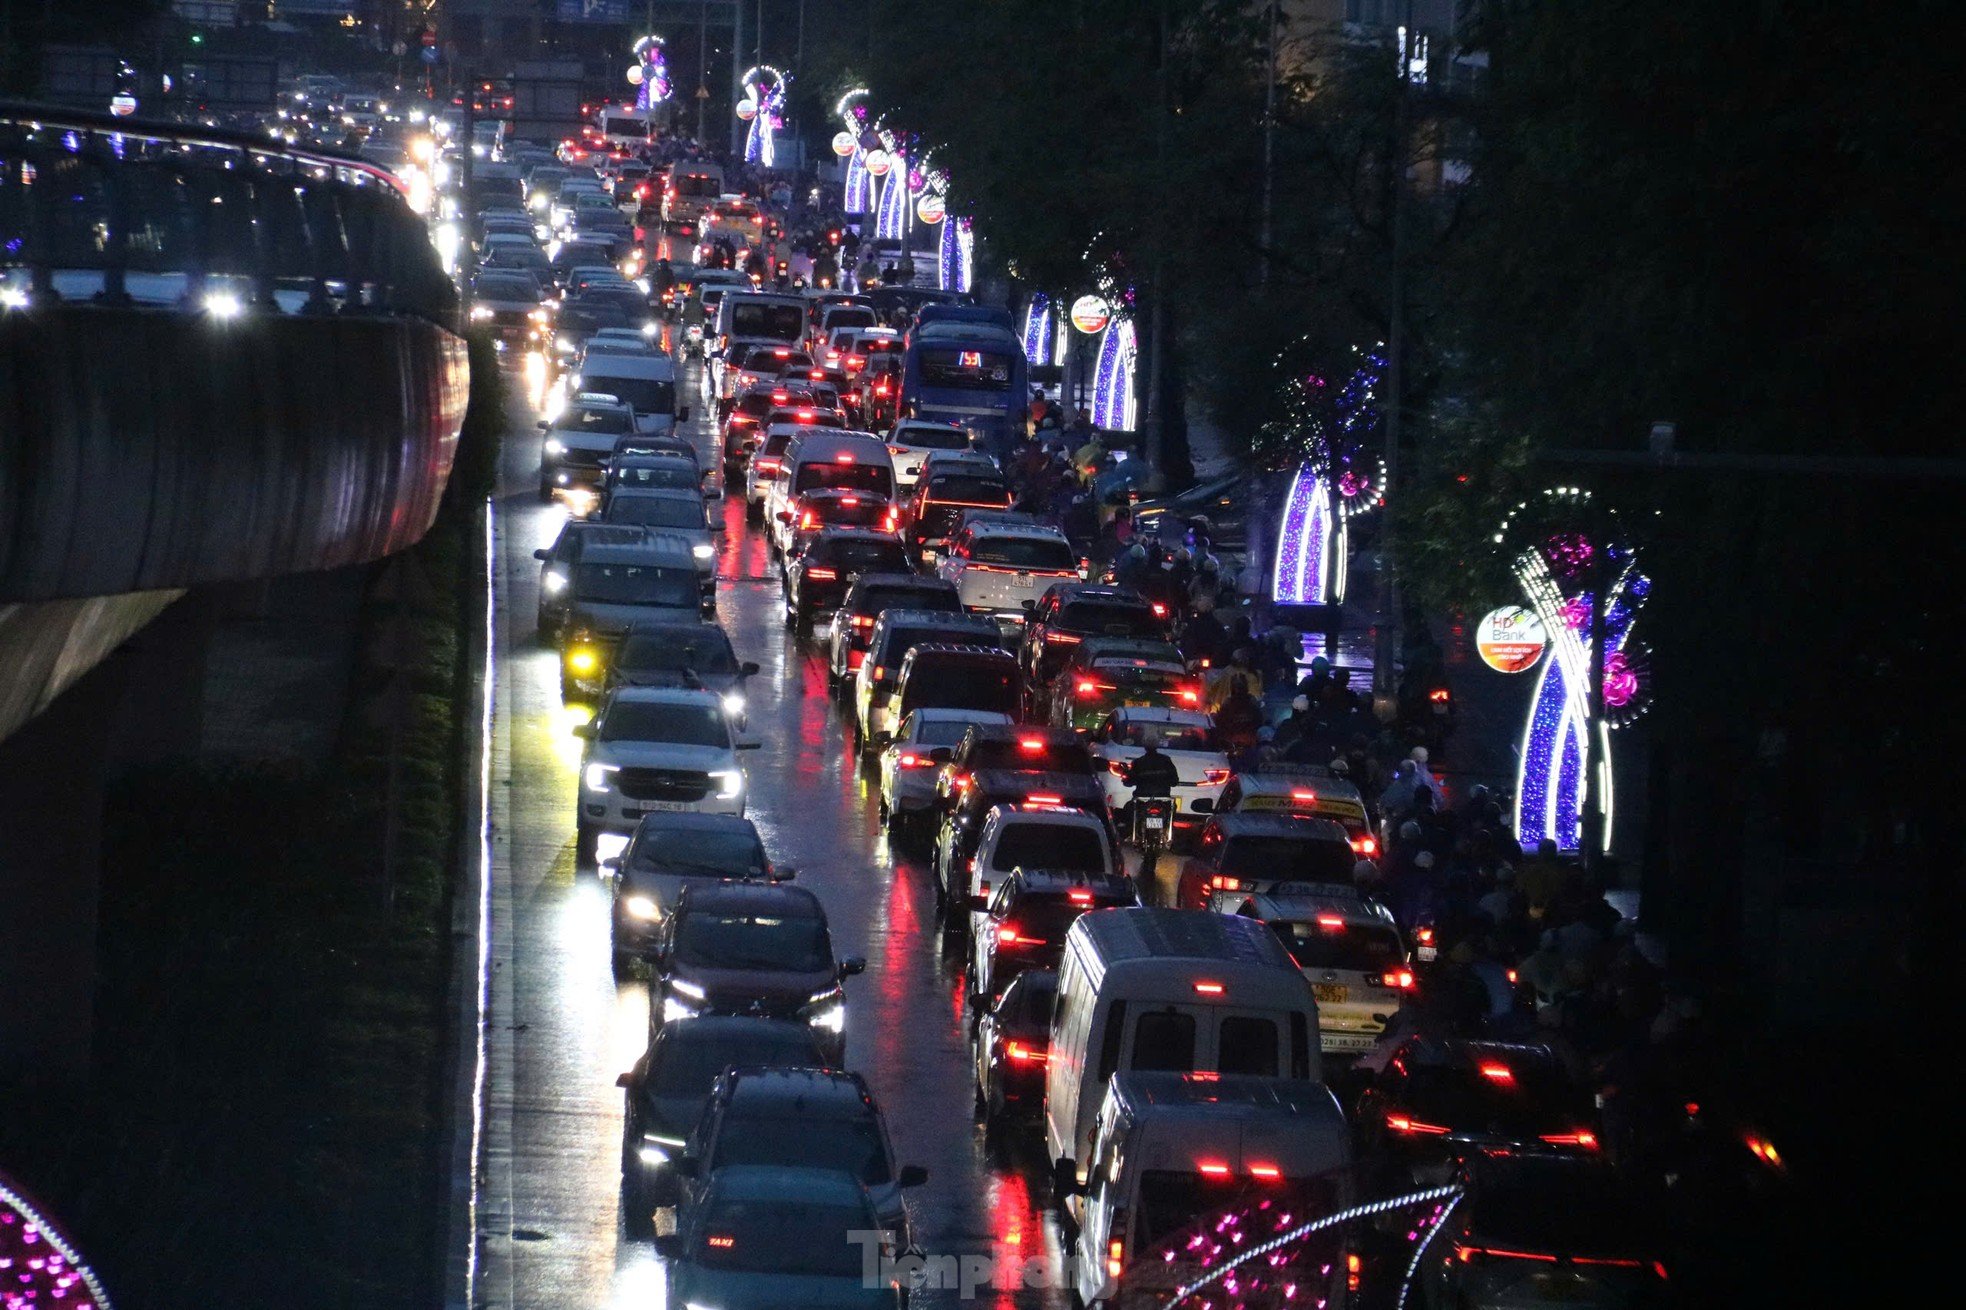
(1111, 673)
(1349, 949)
(1301, 789)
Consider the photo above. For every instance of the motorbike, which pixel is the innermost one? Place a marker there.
(1153, 819)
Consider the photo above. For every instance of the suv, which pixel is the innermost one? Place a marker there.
(1002, 563)
(1257, 852)
(1110, 673)
(817, 578)
(895, 633)
(668, 853)
(959, 678)
(756, 948)
(1070, 612)
(1022, 924)
(911, 766)
(559, 561)
(942, 494)
(829, 507)
(1019, 748)
(912, 440)
(655, 749)
(866, 598)
(621, 584)
(1039, 807)
(805, 1118)
(767, 459)
(682, 655)
(678, 512)
(666, 1091)
(1347, 945)
(776, 1237)
(573, 454)
(1012, 1039)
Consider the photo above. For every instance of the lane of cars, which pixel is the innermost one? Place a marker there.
(1176, 1029)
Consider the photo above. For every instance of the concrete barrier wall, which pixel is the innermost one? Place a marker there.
(144, 450)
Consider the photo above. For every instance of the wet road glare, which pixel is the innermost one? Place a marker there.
(562, 1029)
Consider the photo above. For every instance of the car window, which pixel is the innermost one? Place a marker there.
(1022, 553)
(852, 1146)
(1164, 1039)
(687, 1065)
(1246, 1043)
(1049, 846)
(655, 511)
(705, 651)
(860, 553)
(1347, 946)
(964, 489)
(636, 584)
(734, 852)
(1313, 860)
(965, 685)
(582, 419)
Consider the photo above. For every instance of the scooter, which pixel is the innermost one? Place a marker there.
(1153, 818)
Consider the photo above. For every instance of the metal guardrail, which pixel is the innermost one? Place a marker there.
(237, 217)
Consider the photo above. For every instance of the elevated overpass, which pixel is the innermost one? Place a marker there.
(222, 359)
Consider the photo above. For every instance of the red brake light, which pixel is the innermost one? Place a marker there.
(1213, 1169)
(1423, 935)
(1115, 1258)
(1302, 794)
(1030, 745)
(1209, 988)
(1365, 846)
(1583, 1138)
(1466, 1254)
(1040, 798)
(1079, 897)
(1019, 1053)
(1496, 1072)
(1160, 610)
(823, 575)
(1211, 777)
(1267, 1172)
(910, 761)
(1190, 696)
(1438, 695)
(1399, 980)
(807, 520)
(1330, 921)
(1086, 687)
(844, 457)
(1400, 1123)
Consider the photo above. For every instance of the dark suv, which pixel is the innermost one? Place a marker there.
(751, 948)
(1021, 748)
(866, 597)
(1070, 612)
(667, 853)
(817, 578)
(1025, 920)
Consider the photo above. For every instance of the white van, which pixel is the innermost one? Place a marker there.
(829, 457)
(644, 383)
(746, 319)
(1173, 1152)
(1174, 990)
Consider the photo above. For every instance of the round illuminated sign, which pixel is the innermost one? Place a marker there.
(747, 109)
(844, 144)
(1510, 639)
(634, 74)
(931, 209)
(878, 162)
(1091, 314)
(122, 105)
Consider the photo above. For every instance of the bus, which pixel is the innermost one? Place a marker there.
(623, 125)
(972, 374)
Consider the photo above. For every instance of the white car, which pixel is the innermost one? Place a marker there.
(651, 749)
(1001, 561)
(1033, 835)
(1348, 947)
(909, 764)
(1185, 736)
(912, 441)
(675, 510)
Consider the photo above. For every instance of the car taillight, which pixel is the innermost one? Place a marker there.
(1582, 1138)
(1044, 798)
(861, 621)
(1365, 846)
(1214, 777)
(910, 761)
(1118, 767)
(1398, 980)
(1086, 688)
(1063, 638)
(1223, 883)
(1007, 936)
(1411, 1127)
(1160, 610)
(1115, 1258)
(1190, 696)
(807, 520)
(1019, 1053)
(822, 575)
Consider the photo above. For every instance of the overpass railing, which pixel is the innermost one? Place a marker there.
(213, 220)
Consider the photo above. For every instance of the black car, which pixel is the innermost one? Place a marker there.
(1025, 919)
(667, 853)
(818, 577)
(558, 562)
(1070, 612)
(656, 472)
(865, 599)
(1442, 1099)
(667, 1089)
(755, 949)
(1010, 1045)
(681, 655)
(1020, 748)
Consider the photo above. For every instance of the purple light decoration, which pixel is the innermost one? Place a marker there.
(1569, 554)
(1112, 386)
(892, 215)
(1302, 575)
(1038, 329)
(38, 1266)
(1620, 680)
(855, 192)
(954, 255)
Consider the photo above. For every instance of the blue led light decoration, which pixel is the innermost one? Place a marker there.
(956, 258)
(1038, 332)
(1556, 565)
(764, 106)
(654, 87)
(851, 110)
(1336, 478)
(1113, 402)
(891, 219)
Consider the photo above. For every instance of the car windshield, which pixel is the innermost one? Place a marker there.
(643, 395)
(872, 600)
(696, 185)
(654, 511)
(1023, 553)
(965, 489)
(582, 419)
(966, 370)
(682, 723)
(507, 288)
(849, 316)
(1131, 678)
(636, 584)
(844, 477)
(853, 1146)
(1049, 846)
(1581, 1211)
(736, 853)
(1298, 858)
(861, 554)
(750, 941)
(688, 1064)
(1167, 736)
(1030, 998)
(1032, 753)
(1046, 916)
(933, 437)
(1360, 946)
(850, 512)
(1109, 620)
(770, 359)
(782, 1237)
(622, 299)
(664, 476)
(940, 732)
(965, 685)
(763, 319)
(704, 650)
(901, 640)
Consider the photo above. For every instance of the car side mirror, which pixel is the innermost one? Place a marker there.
(682, 415)
(542, 553)
(584, 731)
(750, 744)
(852, 965)
(911, 1175)
(1030, 607)
(784, 875)
(1202, 806)
(669, 1246)
(626, 1079)
(978, 901)
(1065, 1177)
(747, 668)
(543, 425)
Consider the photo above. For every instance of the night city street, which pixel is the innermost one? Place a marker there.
(831, 654)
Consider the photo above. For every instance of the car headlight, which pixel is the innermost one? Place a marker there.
(480, 313)
(555, 446)
(642, 907)
(554, 583)
(826, 1010)
(651, 328)
(597, 776)
(538, 200)
(565, 345)
(685, 987)
(582, 659)
(731, 783)
(538, 316)
(703, 550)
(673, 1009)
(733, 702)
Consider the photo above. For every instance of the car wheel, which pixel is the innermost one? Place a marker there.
(637, 1210)
(545, 492)
(586, 836)
(621, 962)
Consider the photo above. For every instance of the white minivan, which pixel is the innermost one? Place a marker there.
(644, 383)
(1173, 990)
(835, 458)
(1176, 1153)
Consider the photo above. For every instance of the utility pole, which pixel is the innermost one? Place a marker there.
(1592, 819)
(1386, 644)
(736, 78)
(1152, 432)
(1269, 148)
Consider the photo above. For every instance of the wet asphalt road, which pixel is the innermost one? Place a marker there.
(562, 1028)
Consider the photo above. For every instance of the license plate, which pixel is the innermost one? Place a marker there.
(1346, 1041)
(1138, 704)
(1023, 577)
(656, 807)
(1331, 993)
